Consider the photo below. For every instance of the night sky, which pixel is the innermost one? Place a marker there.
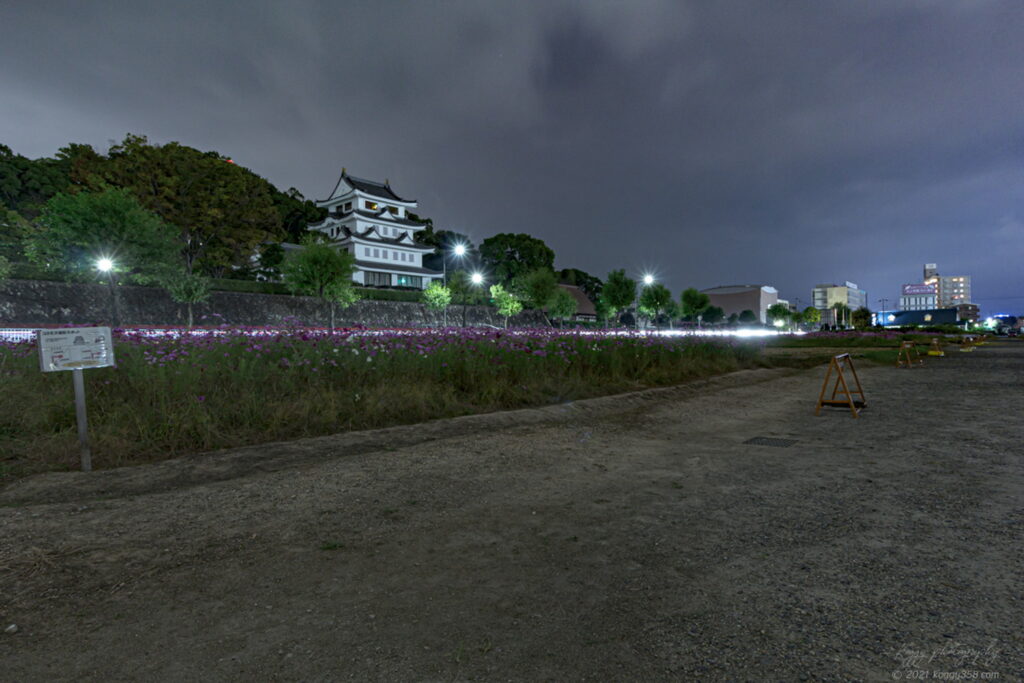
(785, 143)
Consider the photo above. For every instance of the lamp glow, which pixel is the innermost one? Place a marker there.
(477, 278)
(779, 323)
(648, 279)
(105, 265)
(460, 250)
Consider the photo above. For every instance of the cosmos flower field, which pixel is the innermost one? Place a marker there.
(190, 392)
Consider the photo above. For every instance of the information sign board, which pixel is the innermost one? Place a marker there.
(75, 348)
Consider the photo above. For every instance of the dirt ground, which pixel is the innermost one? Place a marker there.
(624, 538)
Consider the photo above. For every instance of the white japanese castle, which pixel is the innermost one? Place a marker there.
(372, 222)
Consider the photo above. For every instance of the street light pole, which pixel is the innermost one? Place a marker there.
(105, 265)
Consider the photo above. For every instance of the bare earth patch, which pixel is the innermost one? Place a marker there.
(632, 537)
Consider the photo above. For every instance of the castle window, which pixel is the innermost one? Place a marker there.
(376, 253)
(372, 206)
(393, 210)
(348, 207)
(366, 251)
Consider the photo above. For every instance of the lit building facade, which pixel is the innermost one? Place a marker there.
(918, 297)
(951, 290)
(372, 223)
(825, 296)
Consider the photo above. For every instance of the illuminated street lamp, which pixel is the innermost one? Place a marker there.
(106, 265)
(648, 280)
(477, 279)
(460, 251)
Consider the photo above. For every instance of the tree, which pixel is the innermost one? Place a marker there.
(842, 313)
(5, 269)
(295, 212)
(437, 297)
(654, 299)
(777, 312)
(536, 288)
(323, 271)
(713, 315)
(75, 231)
(188, 288)
(603, 310)
(747, 317)
(694, 303)
(562, 305)
(619, 292)
(812, 315)
(509, 256)
(222, 211)
(590, 284)
(734, 318)
(861, 318)
(507, 303)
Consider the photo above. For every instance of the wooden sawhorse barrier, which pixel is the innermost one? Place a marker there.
(841, 387)
(936, 349)
(908, 357)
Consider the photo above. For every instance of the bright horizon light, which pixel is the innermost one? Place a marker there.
(105, 265)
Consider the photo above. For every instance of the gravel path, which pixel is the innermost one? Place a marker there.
(632, 538)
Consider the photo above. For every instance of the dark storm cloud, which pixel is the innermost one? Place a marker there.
(787, 143)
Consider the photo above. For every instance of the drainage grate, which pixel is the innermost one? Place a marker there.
(765, 441)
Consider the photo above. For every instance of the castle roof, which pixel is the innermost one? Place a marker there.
(370, 187)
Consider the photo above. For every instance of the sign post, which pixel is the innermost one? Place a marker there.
(76, 348)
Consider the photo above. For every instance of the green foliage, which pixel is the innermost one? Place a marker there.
(619, 292)
(536, 288)
(812, 315)
(222, 211)
(778, 312)
(14, 230)
(188, 288)
(76, 230)
(322, 271)
(295, 213)
(436, 296)
(590, 284)
(713, 315)
(507, 303)
(25, 184)
(5, 269)
(747, 317)
(464, 292)
(654, 300)
(734, 318)
(694, 303)
(376, 294)
(508, 256)
(861, 318)
(562, 305)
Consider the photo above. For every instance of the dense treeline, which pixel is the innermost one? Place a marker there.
(222, 214)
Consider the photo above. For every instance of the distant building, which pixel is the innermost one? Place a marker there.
(951, 290)
(372, 223)
(918, 297)
(935, 316)
(738, 298)
(825, 296)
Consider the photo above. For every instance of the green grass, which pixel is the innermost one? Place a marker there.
(166, 399)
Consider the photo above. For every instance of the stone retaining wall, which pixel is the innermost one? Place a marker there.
(38, 302)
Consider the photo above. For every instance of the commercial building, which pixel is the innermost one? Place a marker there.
(738, 298)
(825, 296)
(372, 222)
(918, 297)
(950, 290)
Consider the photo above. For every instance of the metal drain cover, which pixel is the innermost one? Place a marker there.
(766, 441)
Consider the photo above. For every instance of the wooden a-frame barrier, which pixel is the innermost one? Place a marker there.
(841, 387)
(907, 356)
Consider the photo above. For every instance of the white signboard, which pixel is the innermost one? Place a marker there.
(75, 348)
